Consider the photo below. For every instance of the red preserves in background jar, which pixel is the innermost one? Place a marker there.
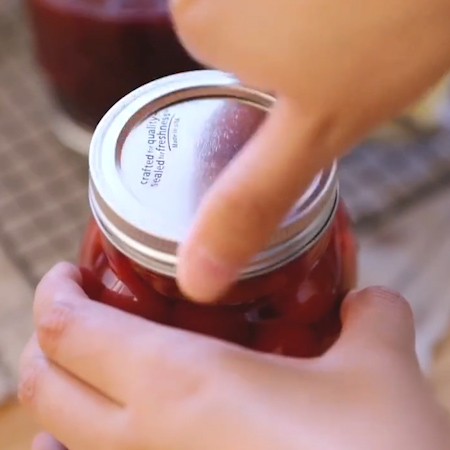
(94, 52)
(152, 158)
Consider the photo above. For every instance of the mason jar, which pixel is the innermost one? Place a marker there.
(153, 156)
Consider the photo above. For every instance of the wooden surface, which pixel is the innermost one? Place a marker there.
(17, 429)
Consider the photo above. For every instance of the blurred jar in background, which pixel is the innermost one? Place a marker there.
(94, 52)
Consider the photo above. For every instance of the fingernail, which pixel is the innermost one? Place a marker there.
(352, 292)
(203, 277)
(44, 441)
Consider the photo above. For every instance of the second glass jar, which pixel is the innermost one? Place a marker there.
(94, 52)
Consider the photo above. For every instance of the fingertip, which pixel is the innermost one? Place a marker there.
(65, 269)
(60, 273)
(45, 441)
(60, 282)
(201, 276)
(377, 317)
(377, 299)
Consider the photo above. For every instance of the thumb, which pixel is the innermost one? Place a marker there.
(248, 200)
(376, 320)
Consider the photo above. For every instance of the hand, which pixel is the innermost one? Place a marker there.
(99, 379)
(338, 70)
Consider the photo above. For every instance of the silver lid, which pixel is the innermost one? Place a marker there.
(157, 150)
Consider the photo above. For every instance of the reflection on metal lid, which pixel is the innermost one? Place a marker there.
(158, 150)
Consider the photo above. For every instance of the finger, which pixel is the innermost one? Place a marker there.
(249, 199)
(45, 441)
(61, 282)
(376, 320)
(89, 340)
(94, 342)
(75, 414)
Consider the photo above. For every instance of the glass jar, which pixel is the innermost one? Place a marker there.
(94, 52)
(152, 158)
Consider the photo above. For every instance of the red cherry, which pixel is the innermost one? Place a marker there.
(311, 301)
(330, 324)
(286, 338)
(328, 329)
(152, 307)
(315, 293)
(349, 262)
(226, 323)
(261, 311)
(91, 285)
(91, 253)
(348, 250)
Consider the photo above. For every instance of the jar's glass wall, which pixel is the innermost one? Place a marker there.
(94, 52)
(293, 310)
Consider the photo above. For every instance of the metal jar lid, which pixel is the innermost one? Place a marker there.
(155, 153)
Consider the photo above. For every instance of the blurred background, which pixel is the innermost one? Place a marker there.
(59, 75)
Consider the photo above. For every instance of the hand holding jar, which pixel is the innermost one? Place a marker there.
(338, 69)
(100, 379)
